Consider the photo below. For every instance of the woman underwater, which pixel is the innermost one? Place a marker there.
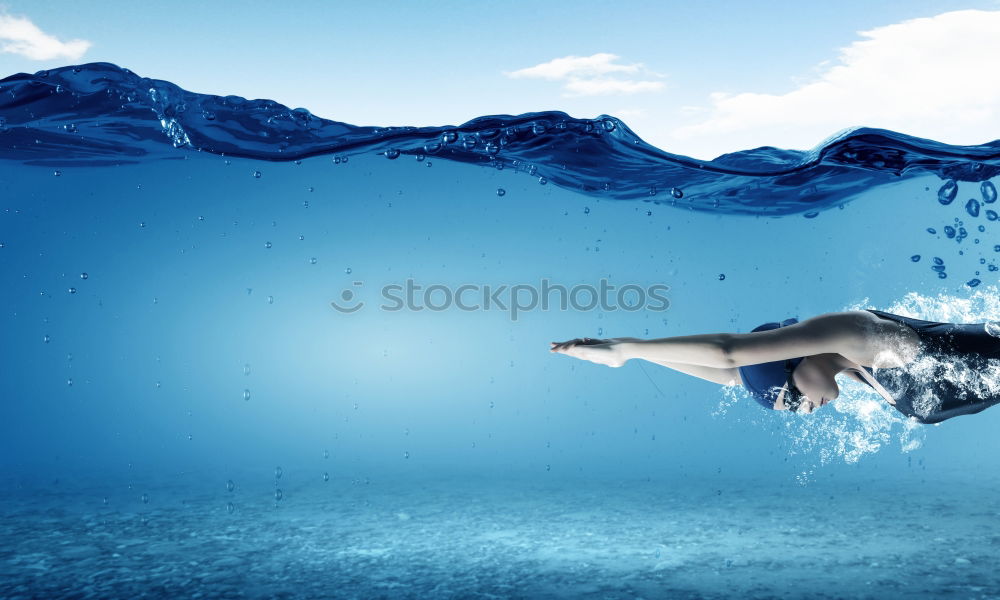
(928, 370)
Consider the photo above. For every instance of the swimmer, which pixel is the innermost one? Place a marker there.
(792, 365)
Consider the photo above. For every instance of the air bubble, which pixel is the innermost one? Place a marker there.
(256, 174)
(230, 485)
(988, 191)
(677, 192)
(972, 207)
(246, 395)
(915, 258)
(312, 261)
(501, 192)
(267, 244)
(947, 192)
(391, 154)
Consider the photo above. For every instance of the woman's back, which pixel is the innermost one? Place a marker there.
(956, 373)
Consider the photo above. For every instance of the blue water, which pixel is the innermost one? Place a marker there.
(186, 414)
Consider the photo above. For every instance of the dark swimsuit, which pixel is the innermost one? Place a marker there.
(956, 373)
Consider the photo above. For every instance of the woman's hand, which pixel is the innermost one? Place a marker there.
(603, 352)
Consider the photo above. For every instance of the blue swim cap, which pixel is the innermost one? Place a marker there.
(765, 380)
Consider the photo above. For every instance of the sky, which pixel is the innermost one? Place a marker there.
(693, 78)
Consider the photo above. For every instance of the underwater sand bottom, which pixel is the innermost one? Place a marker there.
(508, 539)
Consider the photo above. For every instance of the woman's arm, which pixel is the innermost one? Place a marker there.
(841, 332)
(729, 376)
(713, 374)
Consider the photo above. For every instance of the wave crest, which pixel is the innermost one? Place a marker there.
(101, 114)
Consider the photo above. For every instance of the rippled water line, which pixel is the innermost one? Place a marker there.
(99, 114)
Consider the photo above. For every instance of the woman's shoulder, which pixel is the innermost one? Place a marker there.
(885, 339)
(840, 320)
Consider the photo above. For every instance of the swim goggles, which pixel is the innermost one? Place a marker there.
(793, 395)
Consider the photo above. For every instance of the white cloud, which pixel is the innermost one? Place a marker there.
(18, 35)
(931, 77)
(588, 75)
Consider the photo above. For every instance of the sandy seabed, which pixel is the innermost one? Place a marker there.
(491, 538)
